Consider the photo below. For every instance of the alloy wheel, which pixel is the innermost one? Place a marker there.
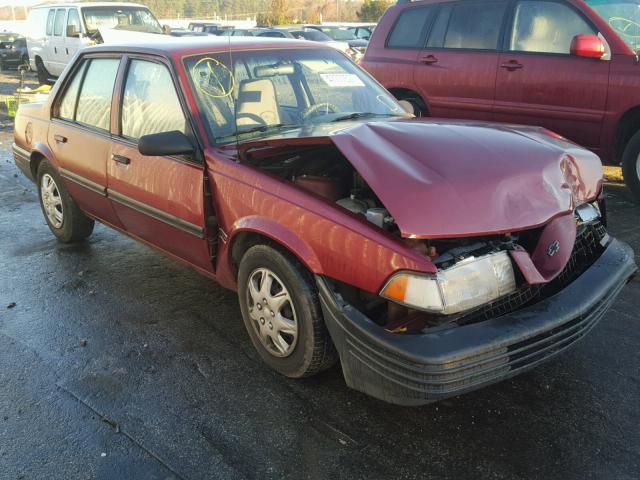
(51, 200)
(272, 312)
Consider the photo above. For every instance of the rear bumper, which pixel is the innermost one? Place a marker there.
(22, 158)
(418, 369)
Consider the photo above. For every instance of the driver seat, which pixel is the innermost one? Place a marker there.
(257, 100)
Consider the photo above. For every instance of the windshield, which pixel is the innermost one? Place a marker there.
(623, 16)
(339, 34)
(121, 18)
(313, 35)
(264, 92)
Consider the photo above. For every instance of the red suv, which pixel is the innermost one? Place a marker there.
(568, 65)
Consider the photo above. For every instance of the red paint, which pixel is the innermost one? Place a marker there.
(580, 96)
(437, 179)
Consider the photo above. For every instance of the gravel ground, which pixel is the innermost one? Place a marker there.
(116, 363)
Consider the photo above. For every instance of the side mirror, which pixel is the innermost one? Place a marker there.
(166, 29)
(165, 144)
(407, 106)
(587, 46)
(72, 31)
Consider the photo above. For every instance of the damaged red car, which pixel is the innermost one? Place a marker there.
(430, 258)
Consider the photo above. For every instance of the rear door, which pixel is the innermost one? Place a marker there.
(540, 83)
(158, 199)
(79, 133)
(456, 71)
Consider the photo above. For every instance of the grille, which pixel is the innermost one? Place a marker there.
(587, 249)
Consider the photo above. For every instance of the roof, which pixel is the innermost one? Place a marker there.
(88, 4)
(178, 46)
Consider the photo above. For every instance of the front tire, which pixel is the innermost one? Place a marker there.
(62, 214)
(282, 314)
(631, 165)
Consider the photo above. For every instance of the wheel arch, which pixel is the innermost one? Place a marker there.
(627, 127)
(254, 230)
(37, 156)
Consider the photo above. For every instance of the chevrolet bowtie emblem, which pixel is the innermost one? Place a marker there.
(553, 248)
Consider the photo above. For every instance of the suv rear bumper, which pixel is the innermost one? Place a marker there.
(418, 369)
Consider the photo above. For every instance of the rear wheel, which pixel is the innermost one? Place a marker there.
(631, 165)
(63, 216)
(43, 74)
(282, 314)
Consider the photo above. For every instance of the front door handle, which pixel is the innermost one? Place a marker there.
(512, 65)
(121, 159)
(428, 59)
(60, 138)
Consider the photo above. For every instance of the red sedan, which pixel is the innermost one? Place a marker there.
(431, 257)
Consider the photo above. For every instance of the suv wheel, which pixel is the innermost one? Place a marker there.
(282, 313)
(631, 165)
(64, 217)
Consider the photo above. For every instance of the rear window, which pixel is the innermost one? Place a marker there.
(474, 26)
(410, 29)
(94, 103)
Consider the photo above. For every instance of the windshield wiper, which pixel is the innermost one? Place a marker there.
(356, 115)
(259, 128)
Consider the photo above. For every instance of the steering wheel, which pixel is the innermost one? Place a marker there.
(315, 109)
(622, 24)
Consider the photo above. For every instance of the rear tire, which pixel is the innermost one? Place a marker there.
(63, 216)
(43, 74)
(631, 165)
(284, 319)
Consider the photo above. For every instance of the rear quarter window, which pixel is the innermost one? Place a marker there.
(410, 29)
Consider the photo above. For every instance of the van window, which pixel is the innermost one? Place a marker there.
(73, 19)
(59, 22)
(546, 27)
(69, 97)
(94, 103)
(410, 29)
(150, 103)
(475, 26)
(50, 17)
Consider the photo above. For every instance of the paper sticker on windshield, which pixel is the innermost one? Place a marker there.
(341, 80)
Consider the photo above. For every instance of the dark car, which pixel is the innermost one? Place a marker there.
(209, 28)
(14, 54)
(568, 65)
(432, 257)
(363, 31)
(241, 32)
(182, 32)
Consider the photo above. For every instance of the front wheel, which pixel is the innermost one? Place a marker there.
(63, 216)
(631, 165)
(282, 314)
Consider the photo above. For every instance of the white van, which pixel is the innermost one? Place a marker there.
(57, 31)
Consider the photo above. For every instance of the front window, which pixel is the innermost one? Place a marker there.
(261, 93)
(121, 18)
(623, 16)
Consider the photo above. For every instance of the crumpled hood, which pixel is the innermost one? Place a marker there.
(458, 179)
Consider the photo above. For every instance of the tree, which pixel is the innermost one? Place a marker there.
(372, 10)
(278, 14)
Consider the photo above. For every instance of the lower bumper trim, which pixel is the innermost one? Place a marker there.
(418, 369)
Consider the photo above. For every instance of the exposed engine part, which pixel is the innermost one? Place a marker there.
(327, 187)
(354, 205)
(379, 216)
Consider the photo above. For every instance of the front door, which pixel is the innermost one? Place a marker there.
(79, 134)
(160, 200)
(456, 71)
(540, 83)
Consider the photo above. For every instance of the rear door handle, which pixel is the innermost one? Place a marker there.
(428, 59)
(512, 65)
(60, 138)
(121, 159)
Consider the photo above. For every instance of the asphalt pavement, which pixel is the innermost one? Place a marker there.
(117, 363)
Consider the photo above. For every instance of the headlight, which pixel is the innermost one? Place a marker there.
(468, 284)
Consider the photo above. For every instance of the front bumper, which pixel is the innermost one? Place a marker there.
(418, 369)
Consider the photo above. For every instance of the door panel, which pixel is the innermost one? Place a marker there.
(564, 94)
(160, 200)
(57, 57)
(456, 71)
(85, 174)
(540, 83)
